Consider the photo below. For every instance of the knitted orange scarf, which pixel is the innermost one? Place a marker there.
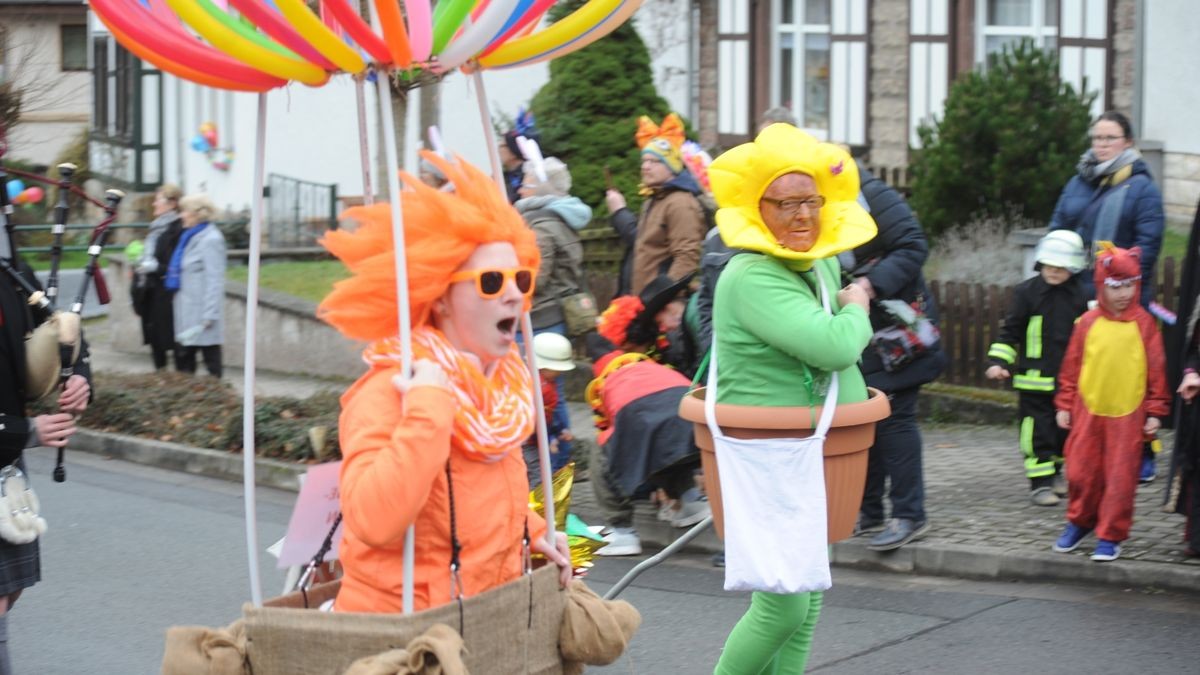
(495, 412)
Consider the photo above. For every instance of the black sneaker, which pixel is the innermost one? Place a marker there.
(718, 559)
(899, 531)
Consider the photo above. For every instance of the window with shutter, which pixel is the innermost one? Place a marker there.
(734, 72)
(929, 73)
(819, 66)
(1083, 49)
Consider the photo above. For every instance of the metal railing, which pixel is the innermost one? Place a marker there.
(299, 211)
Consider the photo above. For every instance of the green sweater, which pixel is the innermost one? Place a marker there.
(768, 323)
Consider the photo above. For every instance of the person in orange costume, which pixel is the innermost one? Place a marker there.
(1112, 390)
(440, 450)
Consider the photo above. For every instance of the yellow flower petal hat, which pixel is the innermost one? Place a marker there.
(740, 177)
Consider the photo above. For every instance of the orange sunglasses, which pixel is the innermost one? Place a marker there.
(490, 282)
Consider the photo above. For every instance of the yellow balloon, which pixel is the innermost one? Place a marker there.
(320, 37)
(256, 56)
(584, 26)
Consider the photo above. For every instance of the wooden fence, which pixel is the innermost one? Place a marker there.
(971, 313)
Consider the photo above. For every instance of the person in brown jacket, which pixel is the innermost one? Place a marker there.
(669, 233)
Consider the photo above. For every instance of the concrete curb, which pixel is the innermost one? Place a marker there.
(950, 560)
(188, 459)
(922, 557)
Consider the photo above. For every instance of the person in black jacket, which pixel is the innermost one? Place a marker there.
(20, 565)
(152, 300)
(1034, 339)
(889, 268)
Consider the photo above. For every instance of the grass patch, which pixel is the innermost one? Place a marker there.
(311, 280)
(207, 413)
(71, 260)
(1005, 396)
(1174, 245)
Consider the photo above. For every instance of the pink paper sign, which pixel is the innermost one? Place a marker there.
(316, 508)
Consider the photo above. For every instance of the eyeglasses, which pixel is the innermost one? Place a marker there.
(489, 283)
(1105, 139)
(793, 205)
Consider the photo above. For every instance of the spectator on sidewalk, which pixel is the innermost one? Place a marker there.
(196, 274)
(152, 300)
(512, 160)
(554, 358)
(888, 268)
(1034, 339)
(667, 236)
(1112, 393)
(641, 440)
(556, 219)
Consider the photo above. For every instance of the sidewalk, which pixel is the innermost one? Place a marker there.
(983, 525)
(977, 500)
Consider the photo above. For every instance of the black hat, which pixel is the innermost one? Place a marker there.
(655, 296)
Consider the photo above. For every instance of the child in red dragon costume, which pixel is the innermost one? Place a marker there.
(1112, 390)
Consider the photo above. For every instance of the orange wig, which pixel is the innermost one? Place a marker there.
(441, 230)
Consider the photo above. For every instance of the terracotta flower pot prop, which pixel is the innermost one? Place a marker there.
(846, 446)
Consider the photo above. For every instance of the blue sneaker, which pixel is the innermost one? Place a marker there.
(1146, 475)
(1069, 539)
(1106, 551)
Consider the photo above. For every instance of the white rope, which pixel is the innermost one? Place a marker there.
(249, 452)
(489, 135)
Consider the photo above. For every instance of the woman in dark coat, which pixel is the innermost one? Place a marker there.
(1114, 198)
(152, 299)
(889, 268)
(20, 565)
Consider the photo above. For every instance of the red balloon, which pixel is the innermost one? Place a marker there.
(34, 194)
(275, 26)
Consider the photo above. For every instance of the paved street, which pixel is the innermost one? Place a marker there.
(880, 623)
(132, 550)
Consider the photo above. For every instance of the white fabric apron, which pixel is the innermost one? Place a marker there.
(773, 492)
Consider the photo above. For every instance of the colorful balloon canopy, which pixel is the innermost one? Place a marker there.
(256, 45)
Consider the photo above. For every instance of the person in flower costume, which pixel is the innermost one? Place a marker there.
(790, 203)
(441, 449)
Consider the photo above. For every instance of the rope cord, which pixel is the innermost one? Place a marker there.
(455, 548)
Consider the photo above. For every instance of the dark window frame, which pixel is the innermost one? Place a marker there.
(62, 47)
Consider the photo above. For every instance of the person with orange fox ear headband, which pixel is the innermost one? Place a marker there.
(440, 450)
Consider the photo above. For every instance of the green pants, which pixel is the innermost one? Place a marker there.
(773, 637)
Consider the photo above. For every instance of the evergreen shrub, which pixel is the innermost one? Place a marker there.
(1008, 141)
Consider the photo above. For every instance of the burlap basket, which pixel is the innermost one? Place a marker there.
(506, 631)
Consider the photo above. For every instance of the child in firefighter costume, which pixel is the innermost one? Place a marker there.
(1034, 338)
(1112, 390)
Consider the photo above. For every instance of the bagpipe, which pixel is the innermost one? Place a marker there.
(53, 347)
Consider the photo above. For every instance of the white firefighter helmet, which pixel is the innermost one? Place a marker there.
(1061, 248)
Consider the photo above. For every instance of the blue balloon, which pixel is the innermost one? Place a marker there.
(15, 187)
(200, 143)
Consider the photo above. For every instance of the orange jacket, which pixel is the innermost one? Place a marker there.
(394, 475)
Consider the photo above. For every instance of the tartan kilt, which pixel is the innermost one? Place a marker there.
(20, 566)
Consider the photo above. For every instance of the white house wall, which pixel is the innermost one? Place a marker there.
(1170, 99)
(57, 105)
(312, 135)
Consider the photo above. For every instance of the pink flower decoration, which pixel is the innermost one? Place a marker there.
(837, 169)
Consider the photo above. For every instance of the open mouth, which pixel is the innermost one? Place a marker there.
(507, 326)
